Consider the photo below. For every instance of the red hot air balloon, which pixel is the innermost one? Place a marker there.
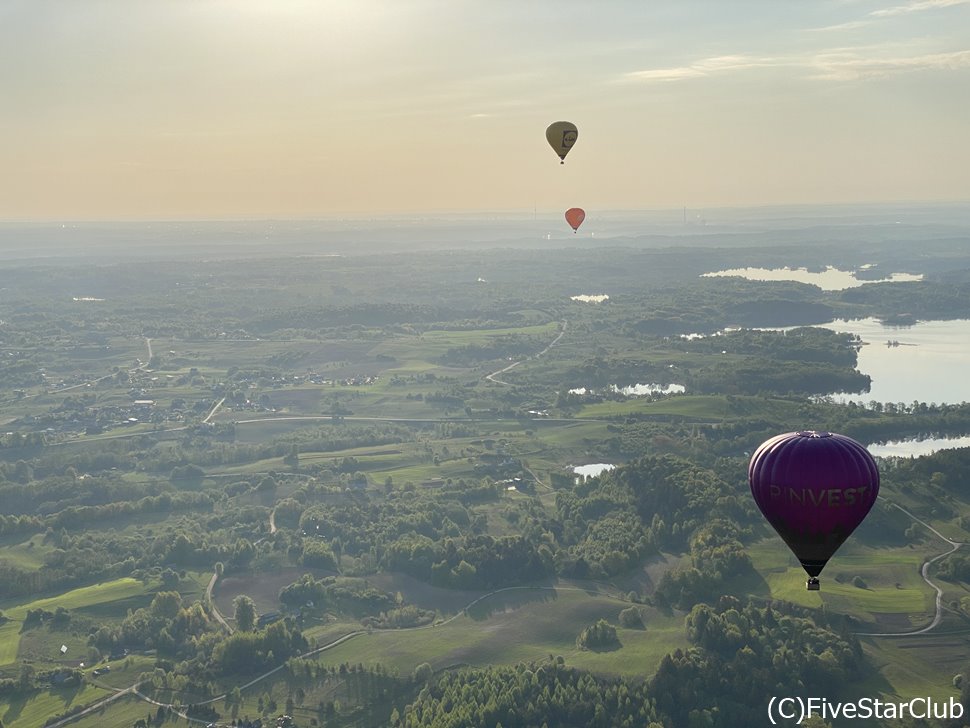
(575, 217)
(814, 488)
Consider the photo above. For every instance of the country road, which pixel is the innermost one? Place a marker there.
(924, 572)
(133, 689)
(212, 605)
(493, 377)
(214, 410)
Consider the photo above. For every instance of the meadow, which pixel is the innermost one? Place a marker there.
(521, 625)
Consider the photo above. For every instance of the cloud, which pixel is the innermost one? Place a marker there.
(837, 64)
(664, 74)
(703, 67)
(850, 66)
(851, 63)
(850, 25)
(916, 6)
(734, 63)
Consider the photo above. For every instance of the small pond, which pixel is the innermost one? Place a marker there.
(591, 471)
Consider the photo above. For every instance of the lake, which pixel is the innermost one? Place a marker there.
(926, 362)
(915, 448)
(831, 279)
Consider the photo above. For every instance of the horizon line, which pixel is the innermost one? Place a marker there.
(440, 214)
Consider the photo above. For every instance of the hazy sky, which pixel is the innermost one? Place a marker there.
(311, 108)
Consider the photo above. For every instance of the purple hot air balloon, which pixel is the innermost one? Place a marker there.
(814, 488)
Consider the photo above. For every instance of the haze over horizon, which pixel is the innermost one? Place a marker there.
(257, 109)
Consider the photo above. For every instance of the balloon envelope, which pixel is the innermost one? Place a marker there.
(814, 488)
(575, 217)
(561, 136)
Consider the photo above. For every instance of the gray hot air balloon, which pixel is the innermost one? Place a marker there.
(561, 136)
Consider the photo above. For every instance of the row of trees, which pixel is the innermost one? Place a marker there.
(524, 696)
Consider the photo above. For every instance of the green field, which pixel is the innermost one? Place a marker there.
(513, 625)
(893, 586)
(522, 625)
(113, 595)
(33, 712)
(105, 602)
(108, 591)
(710, 408)
(9, 642)
(894, 600)
(413, 462)
(27, 554)
(916, 666)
